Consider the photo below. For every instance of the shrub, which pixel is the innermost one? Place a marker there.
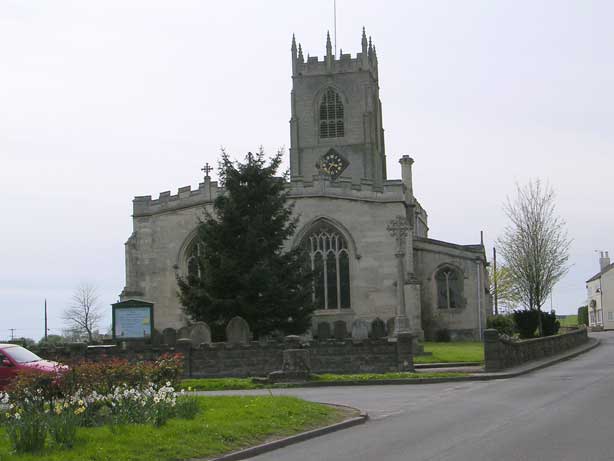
(526, 322)
(550, 324)
(442, 335)
(504, 324)
(583, 315)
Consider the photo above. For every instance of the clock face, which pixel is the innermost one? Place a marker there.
(332, 164)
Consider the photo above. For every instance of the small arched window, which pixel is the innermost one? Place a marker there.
(330, 262)
(449, 288)
(331, 115)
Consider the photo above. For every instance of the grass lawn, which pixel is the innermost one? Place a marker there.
(224, 424)
(569, 321)
(465, 351)
(227, 384)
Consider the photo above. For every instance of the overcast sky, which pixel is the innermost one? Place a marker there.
(104, 100)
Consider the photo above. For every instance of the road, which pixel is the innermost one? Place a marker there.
(564, 412)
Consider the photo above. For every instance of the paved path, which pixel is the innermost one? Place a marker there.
(565, 412)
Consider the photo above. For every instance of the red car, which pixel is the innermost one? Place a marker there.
(16, 359)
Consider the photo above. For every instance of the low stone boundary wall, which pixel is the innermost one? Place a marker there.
(501, 353)
(257, 358)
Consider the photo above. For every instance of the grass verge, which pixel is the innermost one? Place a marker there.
(224, 424)
(465, 351)
(228, 384)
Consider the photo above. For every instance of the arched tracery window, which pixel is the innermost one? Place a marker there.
(449, 288)
(330, 262)
(331, 115)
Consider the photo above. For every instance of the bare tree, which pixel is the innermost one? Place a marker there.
(535, 244)
(84, 313)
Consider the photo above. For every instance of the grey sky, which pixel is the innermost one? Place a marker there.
(102, 101)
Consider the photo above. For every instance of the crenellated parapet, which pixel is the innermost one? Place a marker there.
(184, 198)
(366, 60)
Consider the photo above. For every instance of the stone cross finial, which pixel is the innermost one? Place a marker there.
(399, 228)
(207, 169)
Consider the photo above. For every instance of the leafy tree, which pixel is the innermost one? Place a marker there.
(534, 245)
(84, 313)
(241, 266)
(507, 293)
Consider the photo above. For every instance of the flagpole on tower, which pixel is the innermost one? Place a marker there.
(335, 25)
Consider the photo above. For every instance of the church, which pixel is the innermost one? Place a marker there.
(347, 211)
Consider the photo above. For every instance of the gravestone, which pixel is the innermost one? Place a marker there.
(340, 329)
(237, 331)
(170, 336)
(378, 328)
(183, 332)
(323, 331)
(360, 329)
(390, 327)
(156, 338)
(200, 333)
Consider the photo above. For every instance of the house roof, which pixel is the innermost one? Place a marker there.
(601, 272)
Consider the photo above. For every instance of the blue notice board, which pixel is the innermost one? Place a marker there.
(132, 319)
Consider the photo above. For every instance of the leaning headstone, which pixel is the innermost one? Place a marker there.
(378, 328)
(390, 327)
(200, 333)
(237, 331)
(360, 329)
(340, 329)
(170, 336)
(183, 332)
(323, 330)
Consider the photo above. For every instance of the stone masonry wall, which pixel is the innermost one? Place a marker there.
(256, 358)
(501, 353)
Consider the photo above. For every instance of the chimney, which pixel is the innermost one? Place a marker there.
(604, 260)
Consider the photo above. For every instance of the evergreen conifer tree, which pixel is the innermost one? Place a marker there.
(241, 266)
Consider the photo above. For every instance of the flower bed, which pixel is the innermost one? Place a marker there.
(113, 393)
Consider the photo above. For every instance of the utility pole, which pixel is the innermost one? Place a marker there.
(494, 278)
(46, 329)
(12, 333)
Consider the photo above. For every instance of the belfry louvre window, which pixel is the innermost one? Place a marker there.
(331, 115)
(330, 263)
(449, 289)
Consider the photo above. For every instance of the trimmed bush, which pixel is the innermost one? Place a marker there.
(504, 324)
(583, 315)
(550, 324)
(526, 322)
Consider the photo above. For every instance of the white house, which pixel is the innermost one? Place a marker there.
(600, 295)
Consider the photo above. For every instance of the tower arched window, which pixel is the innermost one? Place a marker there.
(449, 282)
(330, 262)
(331, 115)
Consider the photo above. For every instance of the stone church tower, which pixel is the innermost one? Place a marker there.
(337, 115)
(367, 235)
